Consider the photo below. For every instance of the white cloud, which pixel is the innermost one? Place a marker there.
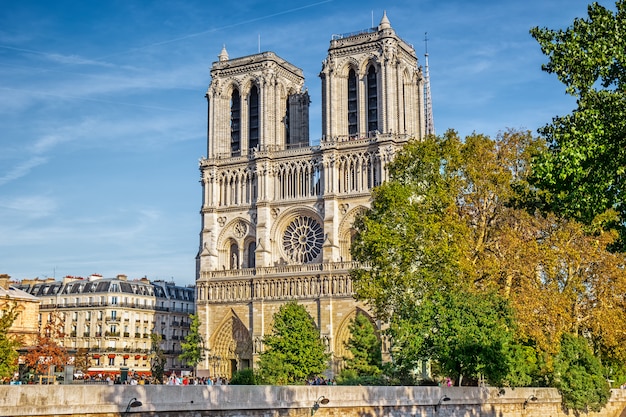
(22, 169)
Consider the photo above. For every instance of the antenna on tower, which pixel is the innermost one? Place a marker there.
(428, 104)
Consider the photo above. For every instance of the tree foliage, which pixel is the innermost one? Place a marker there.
(8, 344)
(294, 351)
(158, 360)
(193, 345)
(579, 376)
(49, 351)
(582, 171)
(365, 362)
(470, 275)
(422, 241)
(245, 376)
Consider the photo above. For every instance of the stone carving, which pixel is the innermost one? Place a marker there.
(240, 229)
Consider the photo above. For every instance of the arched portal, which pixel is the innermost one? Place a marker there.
(231, 348)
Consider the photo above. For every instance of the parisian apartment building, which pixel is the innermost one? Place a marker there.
(108, 322)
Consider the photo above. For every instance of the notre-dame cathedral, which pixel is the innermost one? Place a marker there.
(277, 213)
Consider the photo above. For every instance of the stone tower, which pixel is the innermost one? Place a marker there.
(277, 213)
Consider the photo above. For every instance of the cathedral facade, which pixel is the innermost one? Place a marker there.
(277, 213)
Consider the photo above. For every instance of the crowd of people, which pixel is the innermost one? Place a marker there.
(190, 380)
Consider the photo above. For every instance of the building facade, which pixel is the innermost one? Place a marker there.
(108, 321)
(25, 328)
(277, 213)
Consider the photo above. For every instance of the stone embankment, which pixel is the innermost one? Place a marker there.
(292, 401)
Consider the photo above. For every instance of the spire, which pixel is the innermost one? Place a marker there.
(384, 22)
(223, 56)
(428, 104)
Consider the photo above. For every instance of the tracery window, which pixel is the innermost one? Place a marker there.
(302, 239)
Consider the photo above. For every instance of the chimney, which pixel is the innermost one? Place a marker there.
(4, 281)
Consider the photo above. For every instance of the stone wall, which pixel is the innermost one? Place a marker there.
(270, 401)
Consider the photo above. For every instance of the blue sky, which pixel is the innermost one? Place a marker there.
(103, 115)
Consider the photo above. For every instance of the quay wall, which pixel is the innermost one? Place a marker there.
(291, 401)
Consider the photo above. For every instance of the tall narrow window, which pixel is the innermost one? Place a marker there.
(253, 116)
(352, 104)
(251, 254)
(235, 123)
(372, 100)
(286, 120)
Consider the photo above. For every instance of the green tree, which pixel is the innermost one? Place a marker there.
(364, 365)
(244, 377)
(579, 377)
(193, 345)
(8, 344)
(294, 351)
(412, 238)
(157, 358)
(418, 242)
(582, 171)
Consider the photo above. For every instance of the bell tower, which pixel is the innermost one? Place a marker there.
(255, 103)
(371, 84)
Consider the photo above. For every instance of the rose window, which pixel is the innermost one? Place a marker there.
(303, 239)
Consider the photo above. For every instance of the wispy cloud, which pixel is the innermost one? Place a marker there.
(26, 208)
(22, 169)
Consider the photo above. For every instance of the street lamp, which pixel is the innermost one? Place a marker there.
(531, 398)
(132, 404)
(321, 400)
(444, 398)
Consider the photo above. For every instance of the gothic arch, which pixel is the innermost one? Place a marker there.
(343, 335)
(237, 232)
(246, 85)
(347, 232)
(346, 65)
(233, 344)
(297, 179)
(229, 85)
(370, 61)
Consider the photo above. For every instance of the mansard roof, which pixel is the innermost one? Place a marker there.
(14, 293)
(78, 286)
